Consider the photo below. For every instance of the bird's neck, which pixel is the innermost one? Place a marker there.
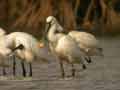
(52, 33)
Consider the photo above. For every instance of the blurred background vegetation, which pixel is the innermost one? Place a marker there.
(96, 16)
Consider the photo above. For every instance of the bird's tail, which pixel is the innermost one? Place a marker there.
(96, 52)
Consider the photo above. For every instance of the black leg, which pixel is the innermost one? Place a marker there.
(73, 70)
(30, 66)
(83, 65)
(62, 69)
(4, 71)
(88, 59)
(23, 69)
(14, 65)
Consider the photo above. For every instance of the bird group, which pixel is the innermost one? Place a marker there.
(74, 47)
(21, 45)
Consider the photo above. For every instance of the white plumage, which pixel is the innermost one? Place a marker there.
(87, 42)
(4, 51)
(2, 32)
(29, 52)
(64, 46)
(68, 48)
(30, 43)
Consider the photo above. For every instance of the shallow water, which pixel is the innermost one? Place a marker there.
(101, 74)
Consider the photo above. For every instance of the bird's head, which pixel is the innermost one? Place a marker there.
(50, 20)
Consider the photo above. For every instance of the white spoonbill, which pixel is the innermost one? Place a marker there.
(64, 46)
